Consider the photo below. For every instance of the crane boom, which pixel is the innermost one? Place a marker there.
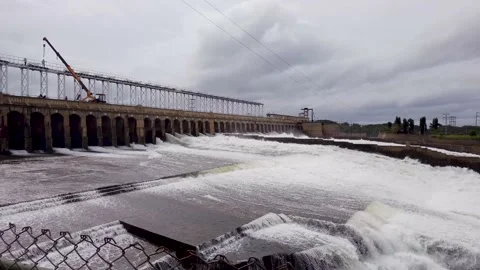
(75, 76)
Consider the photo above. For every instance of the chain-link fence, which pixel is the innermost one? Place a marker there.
(22, 249)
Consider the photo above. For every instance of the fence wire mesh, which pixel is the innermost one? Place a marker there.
(22, 249)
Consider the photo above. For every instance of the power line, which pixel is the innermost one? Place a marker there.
(243, 44)
(446, 119)
(257, 54)
(261, 43)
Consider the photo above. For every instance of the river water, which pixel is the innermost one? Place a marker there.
(331, 208)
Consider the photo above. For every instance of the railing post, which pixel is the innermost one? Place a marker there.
(3, 78)
(24, 81)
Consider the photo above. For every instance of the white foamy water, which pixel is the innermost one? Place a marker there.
(399, 214)
(447, 152)
(333, 208)
(443, 151)
(362, 141)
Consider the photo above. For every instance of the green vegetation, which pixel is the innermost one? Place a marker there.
(405, 126)
(423, 125)
(371, 130)
(434, 124)
(411, 126)
(456, 136)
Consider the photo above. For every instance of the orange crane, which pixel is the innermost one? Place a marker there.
(99, 98)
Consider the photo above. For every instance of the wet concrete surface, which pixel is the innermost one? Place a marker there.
(193, 220)
(29, 178)
(187, 222)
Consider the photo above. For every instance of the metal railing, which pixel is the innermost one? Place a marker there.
(119, 90)
(22, 249)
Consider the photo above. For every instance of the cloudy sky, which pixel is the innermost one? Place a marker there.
(363, 61)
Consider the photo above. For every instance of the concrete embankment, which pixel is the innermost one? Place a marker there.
(425, 156)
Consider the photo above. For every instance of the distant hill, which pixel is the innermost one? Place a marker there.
(325, 121)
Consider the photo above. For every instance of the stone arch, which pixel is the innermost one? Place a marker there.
(238, 127)
(16, 130)
(158, 129)
(132, 129)
(168, 126)
(252, 127)
(147, 130)
(185, 127)
(207, 127)
(92, 130)
(227, 127)
(58, 130)
(177, 128)
(216, 127)
(106, 131)
(193, 129)
(75, 130)
(200, 127)
(257, 127)
(120, 130)
(222, 127)
(37, 131)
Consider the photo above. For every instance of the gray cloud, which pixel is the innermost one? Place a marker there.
(429, 77)
(370, 61)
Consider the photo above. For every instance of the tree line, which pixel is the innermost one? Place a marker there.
(408, 126)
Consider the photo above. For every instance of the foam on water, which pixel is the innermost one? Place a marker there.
(342, 209)
(447, 152)
(20, 153)
(401, 214)
(362, 141)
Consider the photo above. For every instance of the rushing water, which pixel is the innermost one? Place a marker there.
(399, 214)
(318, 207)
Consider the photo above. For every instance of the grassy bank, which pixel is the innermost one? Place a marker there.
(456, 137)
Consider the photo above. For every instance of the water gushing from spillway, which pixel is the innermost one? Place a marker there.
(342, 209)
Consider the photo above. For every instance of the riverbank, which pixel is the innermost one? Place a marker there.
(424, 155)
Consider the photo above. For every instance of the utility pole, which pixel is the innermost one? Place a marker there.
(446, 119)
(452, 121)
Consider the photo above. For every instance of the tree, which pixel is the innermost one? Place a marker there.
(411, 126)
(434, 124)
(404, 126)
(398, 121)
(423, 125)
(389, 125)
